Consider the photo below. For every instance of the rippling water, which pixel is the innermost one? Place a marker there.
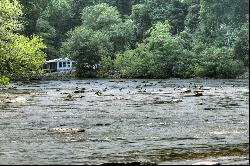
(125, 121)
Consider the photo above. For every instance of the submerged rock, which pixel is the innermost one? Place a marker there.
(82, 90)
(98, 93)
(66, 130)
(119, 98)
(205, 88)
(69, 98)
(186, 90)
(103, 124)
(172, 101)
(176, 100)
(16, 100)
(197, 94)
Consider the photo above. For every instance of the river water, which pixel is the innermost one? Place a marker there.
(156, 121)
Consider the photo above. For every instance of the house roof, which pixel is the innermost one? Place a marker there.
(59, 60)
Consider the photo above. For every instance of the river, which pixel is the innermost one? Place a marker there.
(122, 121)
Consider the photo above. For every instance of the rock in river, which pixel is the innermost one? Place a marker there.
(185, 90)
(206, 88)
(66, 130)
(80, 90)
(17, 100)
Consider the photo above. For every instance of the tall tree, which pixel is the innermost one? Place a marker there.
(107, 19)
(32, 10)
(77, 7)
(20, 57)
(100, 17)
(219, 17)
(10, 12)
(86, 47)
(140, 16)
(173, 11)
(192, 19)
(53, 24)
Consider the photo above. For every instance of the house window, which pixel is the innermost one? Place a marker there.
(64, 64)
(68, 64)
(60, 64)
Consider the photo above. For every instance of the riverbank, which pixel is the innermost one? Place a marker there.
(245, 75)
(72, 75)
(59, 76)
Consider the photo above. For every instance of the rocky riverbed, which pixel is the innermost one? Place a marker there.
(125, 121)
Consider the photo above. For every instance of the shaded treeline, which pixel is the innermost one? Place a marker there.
(144, 38)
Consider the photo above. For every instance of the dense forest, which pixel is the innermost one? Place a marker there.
(126, 38)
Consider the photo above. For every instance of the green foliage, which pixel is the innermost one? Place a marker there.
(53, 23)
(199, 71)
(179, 38)
(49, 34)
(45, 30)
(218, 18)
(10, 11)
(140, 16)
(219, 63)
(100, 17)
(122, 35)
(160, 57)
(165, 47)
(106, 67)
(21, 58)
(186, 40)
(173, 11)
(32, 9)
(77, 6)
(134, 63)
(86, 47)
(184, 66)
(192, 19)
(102, 33)
(59, 14)
(241, 44)
(4, 80)
(123, 6)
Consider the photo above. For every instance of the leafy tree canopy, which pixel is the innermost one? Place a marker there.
(21, 57)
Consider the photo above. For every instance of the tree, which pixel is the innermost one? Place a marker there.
(218, 18)
(140, 16)
(107, 19)
(192, 19)
(10, 11)
(53, 24)
(100, 17)
(124, 6)
(86, 47)
(122, 35)
(77, 7)
(173, 11)
(219, 63)
(32, 10)
(164, 46)
(20, 57)
(137, 63)
(241, 44)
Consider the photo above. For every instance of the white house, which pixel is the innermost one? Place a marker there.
(59, 65)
